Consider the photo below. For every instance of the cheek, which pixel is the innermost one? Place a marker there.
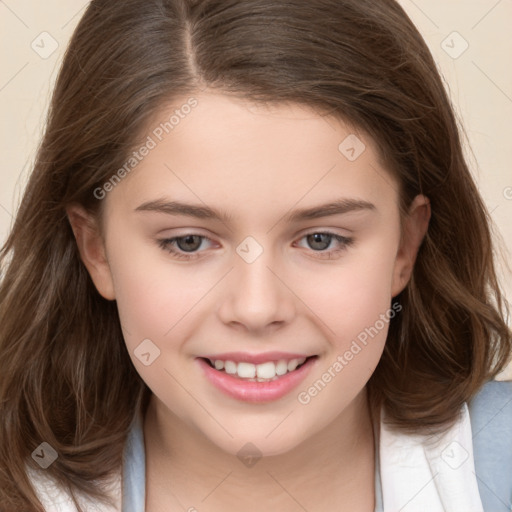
(354, 304)
(153, 296)
(351, 296)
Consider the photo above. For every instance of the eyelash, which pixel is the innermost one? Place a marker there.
(167, 245)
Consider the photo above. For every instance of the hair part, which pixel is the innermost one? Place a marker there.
(63, 361)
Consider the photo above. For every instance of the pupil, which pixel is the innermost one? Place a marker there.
(189, 239)
(318, 238)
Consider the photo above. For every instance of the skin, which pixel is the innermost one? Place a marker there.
(258, 164)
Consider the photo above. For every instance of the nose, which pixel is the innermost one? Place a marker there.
(256, 296)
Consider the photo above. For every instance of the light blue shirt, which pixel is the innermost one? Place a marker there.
(491, 420)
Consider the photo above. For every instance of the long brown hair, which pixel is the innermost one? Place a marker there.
(66, 376)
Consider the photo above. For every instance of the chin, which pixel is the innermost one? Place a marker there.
(245, 446)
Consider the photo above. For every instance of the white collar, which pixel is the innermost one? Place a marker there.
(429, 473)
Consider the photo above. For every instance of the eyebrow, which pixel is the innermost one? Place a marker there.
(337, 207)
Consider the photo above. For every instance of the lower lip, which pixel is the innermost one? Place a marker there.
(256, 392)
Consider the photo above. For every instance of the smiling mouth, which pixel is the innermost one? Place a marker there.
(264, 372)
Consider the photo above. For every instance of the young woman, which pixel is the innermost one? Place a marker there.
(251, 271)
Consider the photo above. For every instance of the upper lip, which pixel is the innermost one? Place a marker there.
(244, 357)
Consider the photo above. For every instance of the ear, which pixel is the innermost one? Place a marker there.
(92, 249)
(414, 230)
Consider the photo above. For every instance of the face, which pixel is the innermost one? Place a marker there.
(269, 233)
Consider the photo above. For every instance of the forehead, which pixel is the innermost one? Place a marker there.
(225, 151)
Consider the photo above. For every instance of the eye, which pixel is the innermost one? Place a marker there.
(320, 241)
(183, 247)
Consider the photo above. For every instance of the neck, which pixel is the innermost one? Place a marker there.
(334, 467)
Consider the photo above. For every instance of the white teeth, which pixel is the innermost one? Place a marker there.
(258, 372)
(266, 370)
(230, 367)
(246, 370)
(281, 367)
(292, 364)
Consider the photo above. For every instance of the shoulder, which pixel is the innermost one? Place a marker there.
(55, 499)
(490, 413)
(491, 409)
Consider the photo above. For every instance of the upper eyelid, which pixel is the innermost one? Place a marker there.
(308, 231)
(205, 237)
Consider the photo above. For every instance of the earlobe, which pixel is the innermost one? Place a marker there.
(92, 249)
(414, 231)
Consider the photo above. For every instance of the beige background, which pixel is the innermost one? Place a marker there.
(470, 40)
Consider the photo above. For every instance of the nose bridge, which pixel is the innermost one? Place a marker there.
(255, 296)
